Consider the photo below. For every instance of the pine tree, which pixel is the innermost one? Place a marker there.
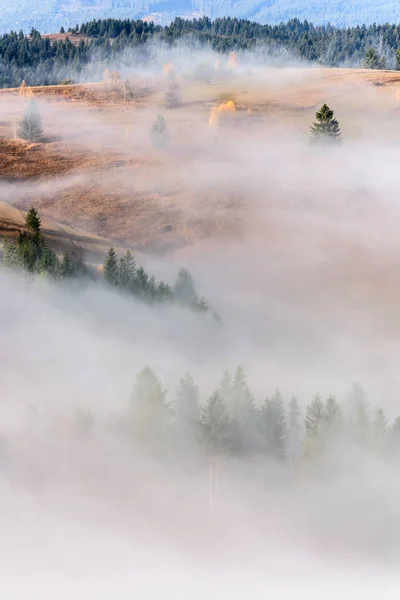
(215, 426)
(359, 414)
(242, 412)
(31, 128)
(294, 426)
(111, 267)
(274, 426)
(32, 221)
(151, 414)
(126, 270)
(372, 60)
(184, 289)
(172, 95)
(159, 133)
(187, 403)
(333, 416)
(66, 268)
(315, 418)
(379, 431)
(326, 129)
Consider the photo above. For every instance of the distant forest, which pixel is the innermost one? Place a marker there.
(41, 62)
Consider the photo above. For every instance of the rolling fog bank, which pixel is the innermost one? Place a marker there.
(296, 249)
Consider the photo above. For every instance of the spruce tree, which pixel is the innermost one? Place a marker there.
(242, 412)
(294, 427)
(215, 426)
(65, 267)
(31, 128)
(184, 289)
(326, 129)
(159, 133)
(187, 403)
(333, 416)
(172, 95)
(111, 267)
(372, 60)
(274, 426)
(32, 221)
(150, 412)
(126, 270)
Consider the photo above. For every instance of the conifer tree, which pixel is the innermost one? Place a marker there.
(126, 270)
(66, 267)
(184, 289)
(274, 426)
(159, 133)
(150, 412)
(294, 427)
(333, 416)
(379, 431)
(326, 128)
(242, 412)
(215, 426)
(187, 403)
(172, 95)
(32, 221)
(372, 60)
(111, 267)
(31, 128)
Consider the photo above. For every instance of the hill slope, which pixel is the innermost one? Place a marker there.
(50, 15)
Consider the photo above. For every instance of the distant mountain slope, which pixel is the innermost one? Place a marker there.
(50, 15)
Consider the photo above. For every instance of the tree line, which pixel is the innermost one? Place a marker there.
(230, 423)
(32, 254)
(41, 62)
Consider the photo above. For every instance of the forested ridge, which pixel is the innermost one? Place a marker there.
(39, 61)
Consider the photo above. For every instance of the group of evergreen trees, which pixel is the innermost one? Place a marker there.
(41, 62)
(31, 253)
(123, 274)
(230, 423)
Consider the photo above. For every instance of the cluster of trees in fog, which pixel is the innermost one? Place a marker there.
(41, 62)
(230, 422)
(31, 253)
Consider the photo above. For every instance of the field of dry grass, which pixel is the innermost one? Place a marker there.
(96, 169)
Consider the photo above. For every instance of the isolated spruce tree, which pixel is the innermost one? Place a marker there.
(111, 267)
(31, 128)
(159, 133)
(326, 129)
(172, 95)
(32, 221)
(215, 426)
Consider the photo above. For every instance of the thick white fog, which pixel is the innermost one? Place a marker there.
(296, 250)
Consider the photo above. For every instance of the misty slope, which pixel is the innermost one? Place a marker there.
(50, 15)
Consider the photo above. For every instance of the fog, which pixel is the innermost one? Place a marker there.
(296, 250)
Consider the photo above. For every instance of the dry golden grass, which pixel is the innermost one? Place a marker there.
(97, 177)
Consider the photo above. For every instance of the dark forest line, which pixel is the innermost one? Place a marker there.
(38, 61)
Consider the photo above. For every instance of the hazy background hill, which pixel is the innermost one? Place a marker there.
(50, 15)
